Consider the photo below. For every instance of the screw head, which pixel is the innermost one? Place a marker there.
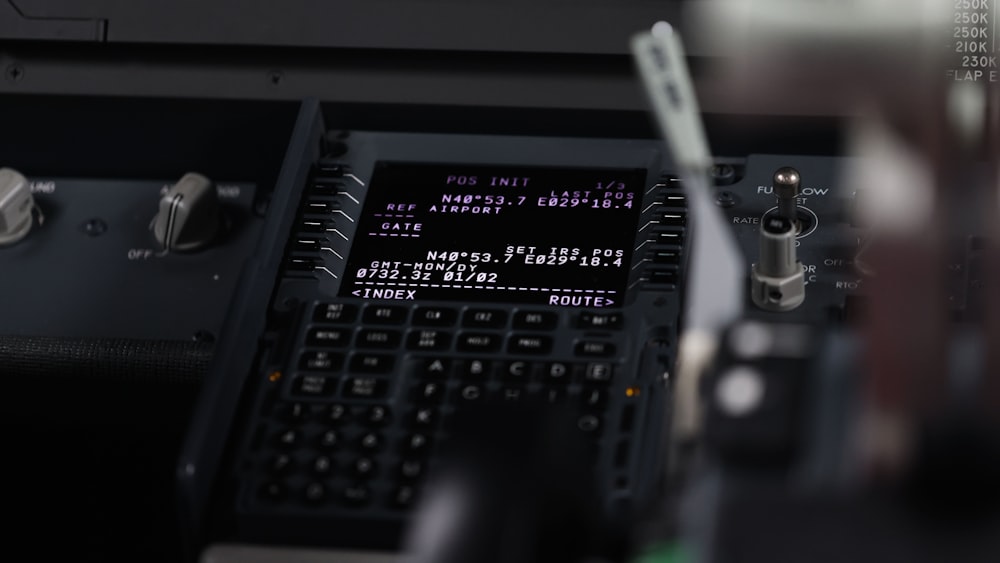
(14, 72)
(726, 199)
(94, 227)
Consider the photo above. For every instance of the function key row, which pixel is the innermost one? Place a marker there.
(319, 494)
(359, 467)
(323, 360)
(438, 316)
(321, 386)
(431, 340)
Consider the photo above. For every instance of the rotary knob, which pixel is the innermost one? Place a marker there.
(189, 217)
(16, 206)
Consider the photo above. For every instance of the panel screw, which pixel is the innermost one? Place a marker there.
(726, 199)
(14, 72)
(94, 227)
(275, 77)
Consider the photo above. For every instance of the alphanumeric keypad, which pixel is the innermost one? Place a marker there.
(373, 390)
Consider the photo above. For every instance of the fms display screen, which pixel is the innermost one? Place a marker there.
(553, 236)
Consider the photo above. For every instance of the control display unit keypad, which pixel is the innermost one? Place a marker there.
(428, 274)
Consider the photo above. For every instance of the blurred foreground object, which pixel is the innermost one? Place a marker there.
(875, 443)
(514, 486)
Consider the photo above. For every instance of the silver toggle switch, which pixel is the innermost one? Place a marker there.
(189, 216)
(16, 206)
(786, 187)
(777, 281)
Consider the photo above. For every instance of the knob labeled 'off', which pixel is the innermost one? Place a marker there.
(189, 217)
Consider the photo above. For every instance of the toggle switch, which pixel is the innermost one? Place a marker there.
(16, 206)
(777, 282)
(786, 187)
(189, 216)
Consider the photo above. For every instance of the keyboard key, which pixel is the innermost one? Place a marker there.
(478, 342)
(327, 187)
(588, 423)
(370, 442)
(291, 412)
(301, 264)
(335, 313)
(517, 371)
(429, 392)
(477, 370)
(411, 469)
(272, 491)
(557, 372)
(378, 338)
(287, 439)
(598, 372)
(472, 392)
(375, 415)
(535, 320)
(280, 464)
(385, 314)
(319, 226)
(314, 493)
(593, 398)
(424, 417)
(329, 337)
(356, 495)
(594, 349)
(328, 440)
(365, 388)
(590, 320)
(529, 344)
(404, 497)
(434, 316)
(336, 414)
(322, 465)
(320, 360)
(553, 395)
(512, 393)
(416, 443)
(430, 340)
(372, 363)
(434, 367)
(484, 318)
(313, 386)
(364, 467)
